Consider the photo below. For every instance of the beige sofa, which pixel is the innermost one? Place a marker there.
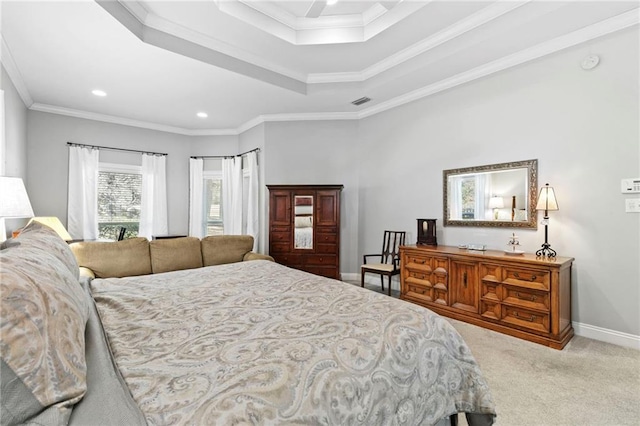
(138, 256)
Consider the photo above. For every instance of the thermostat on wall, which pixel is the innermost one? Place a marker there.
(631, 186)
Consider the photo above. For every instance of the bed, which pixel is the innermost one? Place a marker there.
(246, 343)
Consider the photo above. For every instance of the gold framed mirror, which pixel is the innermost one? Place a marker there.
(494, 195)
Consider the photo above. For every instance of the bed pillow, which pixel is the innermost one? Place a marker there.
(42, 347)
(175, 254)
(221, 249)
(114, 259)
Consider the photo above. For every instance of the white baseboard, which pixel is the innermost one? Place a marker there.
(606, 335)
(585, 330)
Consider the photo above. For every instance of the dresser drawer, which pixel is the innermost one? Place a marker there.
(490, 309)
(419, 292)
(525, 318)
(417, 262)
(528, 278)
(526, 298)
(320, 259)
(491, 291)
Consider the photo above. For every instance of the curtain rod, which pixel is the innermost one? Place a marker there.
(116, 149)
(225, 156)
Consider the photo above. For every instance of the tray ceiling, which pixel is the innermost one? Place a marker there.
(244, 62)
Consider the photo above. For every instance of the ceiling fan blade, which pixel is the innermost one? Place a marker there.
(316, 8)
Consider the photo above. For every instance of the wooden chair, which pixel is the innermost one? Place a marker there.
(121, 232)
(389, 264)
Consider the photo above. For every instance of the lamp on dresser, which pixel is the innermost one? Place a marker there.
(546, 201)
(14, 202)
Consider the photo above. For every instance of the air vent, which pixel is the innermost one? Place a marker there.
(361, 101)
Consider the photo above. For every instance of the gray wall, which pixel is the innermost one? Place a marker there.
(15, 128)
(14, 161)
(48, 160)
(582, 126)
(319, 152)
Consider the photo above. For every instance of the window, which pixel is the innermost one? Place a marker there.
(119, 189)
(468, 198)
(213, 202)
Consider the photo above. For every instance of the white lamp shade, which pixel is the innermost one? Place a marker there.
(55, 224)
(496, 203)
(547, 199)
(14, 201)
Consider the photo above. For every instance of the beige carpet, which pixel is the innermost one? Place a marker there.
(587, 383)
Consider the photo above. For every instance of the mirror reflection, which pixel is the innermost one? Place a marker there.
(497, 195)
(303, 226)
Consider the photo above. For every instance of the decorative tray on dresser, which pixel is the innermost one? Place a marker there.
(523, 296)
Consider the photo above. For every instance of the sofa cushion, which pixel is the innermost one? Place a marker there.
(221, 249)
(175, 254)
(115, 259)
(42, 330)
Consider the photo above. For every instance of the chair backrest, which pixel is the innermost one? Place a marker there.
(391, 245)
(121, 232)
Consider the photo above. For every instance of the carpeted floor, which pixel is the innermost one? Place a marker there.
(587, 383)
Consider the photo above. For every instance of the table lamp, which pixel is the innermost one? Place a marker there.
(546, 201)
(14, 202)
(496, 203)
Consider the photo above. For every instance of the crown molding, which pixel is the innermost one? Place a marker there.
(70, 112)
(14, 73)
(608, 26)
(611, 25)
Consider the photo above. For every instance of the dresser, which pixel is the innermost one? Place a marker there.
(523, 296)
(304, 227)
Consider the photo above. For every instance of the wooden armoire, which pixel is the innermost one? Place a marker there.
(304, 227)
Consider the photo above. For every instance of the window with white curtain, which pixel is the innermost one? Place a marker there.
(213, 202)
(119, 200)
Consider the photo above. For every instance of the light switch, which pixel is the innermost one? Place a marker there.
(632, 205)
(630, 186)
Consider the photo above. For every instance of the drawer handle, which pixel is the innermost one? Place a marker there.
(533, 277)
(326, 238)
(530, 319)
(530, 299)
(420, 261)
(464, 279)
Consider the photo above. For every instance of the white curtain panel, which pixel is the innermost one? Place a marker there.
(82, 207)
(253, 217)
(153, 208)
(196, 199)
(455, 198)
(483, 212)
(232, 195)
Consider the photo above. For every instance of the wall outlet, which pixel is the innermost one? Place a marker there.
(632, 205)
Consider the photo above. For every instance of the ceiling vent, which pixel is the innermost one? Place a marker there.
(361, 101)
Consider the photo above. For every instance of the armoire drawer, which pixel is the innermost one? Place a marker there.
(320, 259)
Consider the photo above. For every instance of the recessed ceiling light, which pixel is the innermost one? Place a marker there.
(202, 114)
(331, 2)
(99, 92)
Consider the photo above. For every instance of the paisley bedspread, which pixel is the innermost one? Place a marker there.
(258, 343)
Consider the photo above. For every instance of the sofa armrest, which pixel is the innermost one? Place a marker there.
(256, 256)
(86, 272)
